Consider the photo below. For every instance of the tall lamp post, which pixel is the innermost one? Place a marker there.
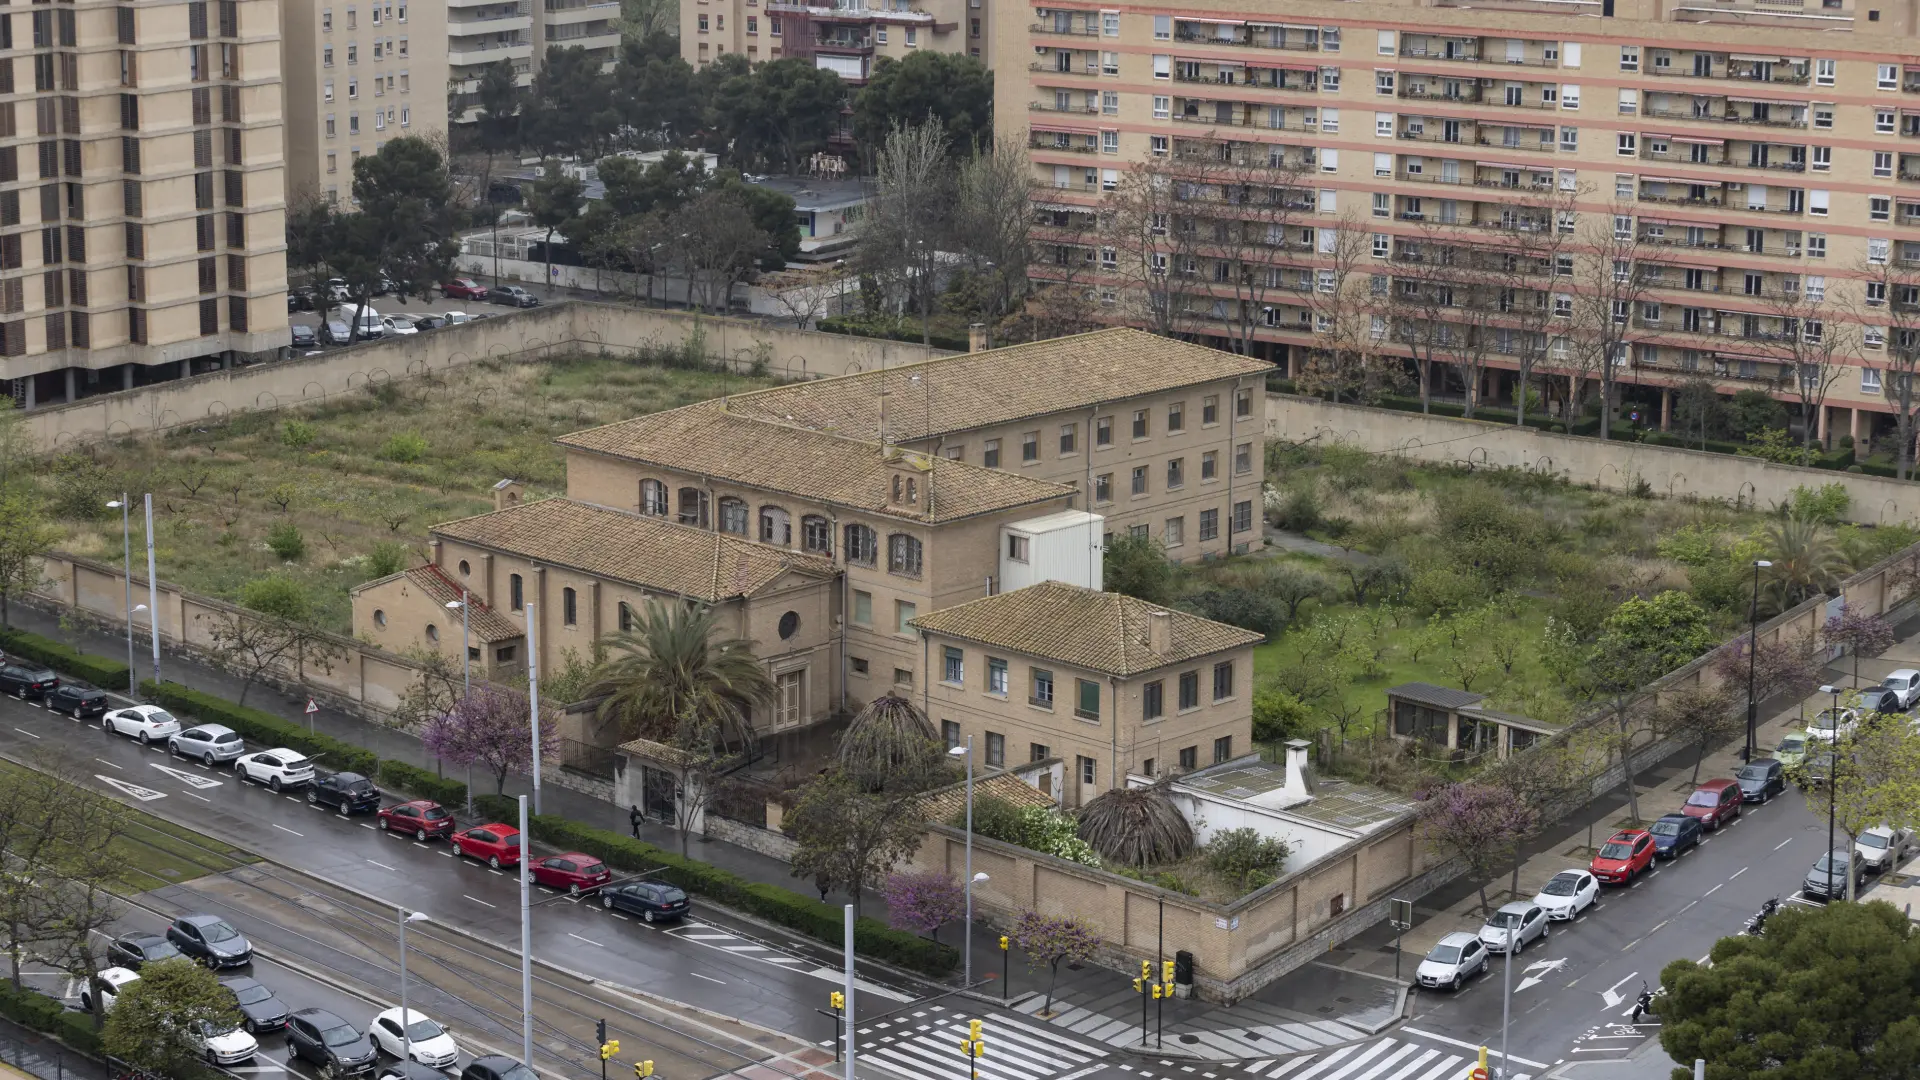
(466, 675)
(153, 594)
(125, 506)
(1833, 785)
(1753, 648)
(967, 950)
(406, 1021)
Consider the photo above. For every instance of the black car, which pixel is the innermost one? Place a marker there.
(651, 900)
(208, 939)
(1761, 779)
(337, 1047)
(347, 792)
(299, 300)
(302, 336)
(410, 1070)
(512, 296)
(263, 1011)
(1879, 699)
(1828, 878)
(132, 950)
(27, 681)
(79, 702)
(496, 1067)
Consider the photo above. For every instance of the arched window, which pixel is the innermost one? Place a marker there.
(626, 617)
(695, 508)
(653, 498)
(776, 526)
(433, 632)
(816, 534)
(903, 554)
(733, 516)
(464, 568)
(863, 545)
(515, 593)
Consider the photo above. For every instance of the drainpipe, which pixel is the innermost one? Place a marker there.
(846, 600)
(926, 689)
(1093, 413)
(1115, 776)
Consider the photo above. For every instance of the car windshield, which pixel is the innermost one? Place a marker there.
(219, 931)
(1873, 840)
(1793, 744)
(421, 1030)
(434, 813)
(159, 949)
(1704, 798)
(228, 739)
(1836, 861)
(591, 868)
(1754, 772)
(159, 716)
(341, 1036)
(1825, 720)
(1507, 919)
(296, 762)
(671, 896)
(1666, 828)
(252, 995)
(518, 1072)
(1562, 885)
(1615, 851)
(1445, 954)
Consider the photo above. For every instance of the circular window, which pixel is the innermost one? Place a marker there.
(464, 568)
(433, 632)
(380, 618)
(789, 623)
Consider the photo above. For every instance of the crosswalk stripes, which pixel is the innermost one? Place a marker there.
(926, 1043)
(1224, 1044)
(1383, 1059)
(714, 937)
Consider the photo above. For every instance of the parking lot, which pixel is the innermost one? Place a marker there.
(392, 304)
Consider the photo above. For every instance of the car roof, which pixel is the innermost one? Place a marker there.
(239, 982)
(495, 826)
(201, 920)
(1879, 830)
(320, 1017)
(143, 709)
(1627, 834)
(1676, 816)
(141, 936)
(1764, 761)
(412, 1014)
(1902, 673)
(1518, 907)
(347, 777)
(576, 855)
(283, 750)
(118, 976)
(1573, 871)
(496, 1062)
(422, 803)
(1715, 785)
(212, 729)
(1457, 938)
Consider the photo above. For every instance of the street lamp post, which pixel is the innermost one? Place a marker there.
(406, 1021)
(124, 505)
(153, 594)
(1753, 648)
(466, 675)
(533, 697)
(967, 949)
(1833, 783)
(526, 944)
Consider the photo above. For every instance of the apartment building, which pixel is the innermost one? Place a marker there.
(483, 32)
(844, 37)
(1753, 167)
(142, 233)
(358, 74)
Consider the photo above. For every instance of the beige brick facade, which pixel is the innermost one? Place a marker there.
(844, 37)
(357, 74)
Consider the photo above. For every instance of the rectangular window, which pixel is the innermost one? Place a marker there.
(902, 676)
(990, 456)
(953, 668)
(1038, 751)
(1223, 749)
(1209, 525)
(1103, 431)
(1243, 403)
(569, 607)
(1153, 703)
(1189, 758)
(1088, 770)
(996, 676)
(1086, 703)
(1176, 473)
(1823, 72)
(1162, 27)
(903, 616)
(1040, 690)
(1243, 516)
(1223, 680)
(1174, 533)
(1888, 77)
(1030, 446)
(1139, 484)
(515, 593)
(996, 749)
(1140, 423)
(1189, 690)
(1103, 488)
(1243, 459)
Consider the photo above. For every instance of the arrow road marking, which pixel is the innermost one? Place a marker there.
(191, 779)
(142, 793)
(1612, 999)
(1546, 967)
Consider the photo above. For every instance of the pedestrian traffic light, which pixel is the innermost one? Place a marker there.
(973, 1045)
(837, 999)
(608, 1049)
(1003, 943)
(1158, 993)
(600, 1031)
(1139, 985)
(973, 1030)
(643, 1069)
(1146, 970)
(1166, 972)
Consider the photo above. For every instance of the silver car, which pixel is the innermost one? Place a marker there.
(211, 744)
(1517, 923)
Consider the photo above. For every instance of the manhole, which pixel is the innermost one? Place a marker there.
(1252, 1036)
(1344, 1000)
(1073, 967)
(1189, 1038)
(1324, 1009)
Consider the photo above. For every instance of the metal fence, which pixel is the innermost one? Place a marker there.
(587, 759)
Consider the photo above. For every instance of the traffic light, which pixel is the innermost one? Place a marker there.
(1146, 970)
(1166, 972)
(837, 999)
(608, 1049)
(643, 1069)
(973, 1045)
(600, 1031)
(1139, 985)
(1003, 943)
(1158, 993)
(973, 1030)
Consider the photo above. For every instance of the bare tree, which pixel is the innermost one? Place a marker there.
(1249, 204)
(1890, 317)
(1611, 276)
(909, 217)
(1150, 247)
(720, 246)
(994, 225)
(1804, 330)
(1535, 280)
(250, 644)
(1349, 319)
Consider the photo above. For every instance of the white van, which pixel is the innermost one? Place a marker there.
(365, 322)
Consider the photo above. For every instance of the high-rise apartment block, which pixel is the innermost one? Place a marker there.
(520, 32)
(142, 231)
(844, 37)
(358, 73)
(1744, 175)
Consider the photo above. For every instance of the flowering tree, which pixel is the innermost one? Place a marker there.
(1047, 941)
(1480, 823)
(924, 901)
(1783, 665)
(1860, 633)
(489, 727)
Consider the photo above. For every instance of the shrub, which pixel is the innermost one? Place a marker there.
(1243, 608)
(1826, 505)
(298, 434)
(277, 595)
(1296, 509)
(65, 659)
(286, 542)
(81, 487)
(42, 1012)
(261, 727)
(387, 558)
(995, 818)
(405, 448)
(1245, 857)
(1278, 714)
(422, 784)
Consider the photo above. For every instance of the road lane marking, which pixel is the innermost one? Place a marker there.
(27, 733)
(477, 900)
(107, 763)
(190, 779)
(1471, 1046)
(697, 975)
(1783, 843)
(364, 825)
(383, 866)
(202, 798)
(1662, 922)
(1683, 910)
(283, 828)
(1713, 890)
(1738, 872)
(619, 916)
(144, 794)
(589, 941)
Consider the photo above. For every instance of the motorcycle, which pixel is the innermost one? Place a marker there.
(1758, 923)
(1643, 1005)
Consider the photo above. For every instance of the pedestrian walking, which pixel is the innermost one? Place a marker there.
(634, 817)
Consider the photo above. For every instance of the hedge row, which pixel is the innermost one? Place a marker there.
(853, 326)
(770, 902)
(261, 727)
(43, 1013)
(421, 783)
(98, 670)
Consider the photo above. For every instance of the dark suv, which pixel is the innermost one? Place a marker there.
(27, 681)
(347, 792)
(79, 702)
(337, 1047)
(496, 1067)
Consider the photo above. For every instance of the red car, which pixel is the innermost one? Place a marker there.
(423, 818)
(464, 289)
(498, 844)
(573, 872)
(1625, 856)
(1715, 803)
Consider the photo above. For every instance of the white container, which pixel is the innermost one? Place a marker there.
(1058, 547)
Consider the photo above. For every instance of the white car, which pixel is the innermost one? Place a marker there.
(1568, 894)
(399, 325)
(1906, 683)
(1459, 957)
(221, 1046)
(1831, 724)
(278, 768)
(455, 318)
(107, 982)
(148, 723)
(432, 1045)
(1519, 923)
(1881, 848)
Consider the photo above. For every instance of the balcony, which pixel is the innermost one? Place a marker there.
(571, 14)
(1056, 107)
(1468, 93)
(1067, 30)
(1718, 154)
(1037, 66)
(1251, 35)
(1434, 47)
(1063, 140)
(461, 53)
(1778, 114)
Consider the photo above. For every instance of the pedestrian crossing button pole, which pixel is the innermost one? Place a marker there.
(975, 1048)
(839, 1002)
(1402, 919)
(1003, 969)
(1140, 986)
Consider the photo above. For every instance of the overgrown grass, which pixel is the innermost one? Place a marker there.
(154, 853)
(362, 469)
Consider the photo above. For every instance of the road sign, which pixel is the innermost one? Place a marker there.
(1478, 1073)
(311, 707)
(1400, 914)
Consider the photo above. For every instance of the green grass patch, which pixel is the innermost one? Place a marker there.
(156, 853)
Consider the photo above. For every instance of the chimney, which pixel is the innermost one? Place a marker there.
(1299, 784)
(976, 337)
(506, 494)
(1160, 632)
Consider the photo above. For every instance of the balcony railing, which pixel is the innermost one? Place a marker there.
(1729, 161)
(1670, 240)
(1194, 37)
(1055, 69)
(1070, 148)
(1055, 107)
(1471, 56)
(1421, 93)
(1722, 118)
(1050, 28)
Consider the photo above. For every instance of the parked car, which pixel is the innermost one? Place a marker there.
(1761, 779)
(572, 871)
(263, 1011)
(1675, 834)
(209, 744)
(1817, 768)
(106, 984)
(430, 322)
(347, 792)
(512, 296)
(1458, 957)
(1626, 855)
(1828, 878)
(1792, 749)
(430, 1043)
(1517, 924)
(29, 682)
(1906, 683)
(210, 940)
(498, 845)
(423, 818)
(147, 723)
(300, 299)
(302, 336)
(496, 1067)
(281, 768)
(400, 325)
(221, 1045)
(455, 318)
(365, 321)
(335, 332)
(320, 1038)
(1830, 724)
(130, 951)
(337, 289)
(653, 901)
(1715, 803)
(1882, 848)
(78, 701)
(1879, 699)
(410, 1070)
(464, 289)
(1567, 894)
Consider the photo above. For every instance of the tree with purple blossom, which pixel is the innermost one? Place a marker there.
(1860, 633)
(489, 727)
(1479, 823)
(924, 900)
(1048, 940)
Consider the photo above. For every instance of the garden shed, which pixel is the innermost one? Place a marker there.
(1458, 722)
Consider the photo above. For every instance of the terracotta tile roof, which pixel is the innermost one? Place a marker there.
(942, 804)
(1098, 631)
(708, 440)
(483, 622)
(975, 390)
(649, 552)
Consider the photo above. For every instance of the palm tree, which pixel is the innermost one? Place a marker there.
(1136, 826)
(891, 744)
(1807, 562)
(677, 662)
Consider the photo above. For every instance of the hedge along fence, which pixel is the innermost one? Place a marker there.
(98, 670)
(790, 909)
(43, 1013)
(261, 727)
(421, 783)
